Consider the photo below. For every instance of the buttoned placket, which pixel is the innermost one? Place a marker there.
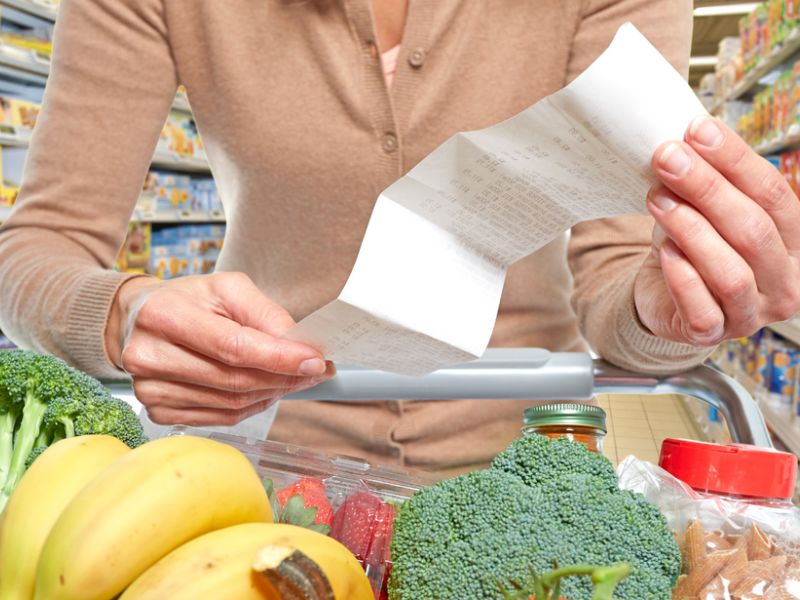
(384, 116)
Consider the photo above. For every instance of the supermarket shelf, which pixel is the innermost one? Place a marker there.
(767, 63)
(786, 429)
(19, 139)
(175, 162)
(788, 329)
(782, 425)
(4, 212)
(23, 65)
(43, 10)
(181, 103)
(178, 216)
(779, 144)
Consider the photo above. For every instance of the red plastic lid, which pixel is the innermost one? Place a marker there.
(734, 469)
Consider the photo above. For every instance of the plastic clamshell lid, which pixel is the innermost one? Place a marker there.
(732, 469)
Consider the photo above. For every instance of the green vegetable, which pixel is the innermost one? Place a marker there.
(541, 503)
(42, 400)
(547, 586)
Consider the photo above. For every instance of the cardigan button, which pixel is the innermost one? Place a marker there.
(417, 58)
(389, 143)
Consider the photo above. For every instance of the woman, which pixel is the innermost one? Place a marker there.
(305, 122)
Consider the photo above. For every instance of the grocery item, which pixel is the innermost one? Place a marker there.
(39, 499)
(220, 565)
(303, 503)
(134, 256)
(784, 363)
(42, 400)
(730, 508)
(149, 502)
(583, 423)
(542, 501)
(12, 161)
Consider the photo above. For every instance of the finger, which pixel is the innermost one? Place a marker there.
(199, 417)
(744, 224)
(222, 339)
(726, 275)
(753, 175)
(152, 358)
(698, 317)
(156, 392)
(246, 304)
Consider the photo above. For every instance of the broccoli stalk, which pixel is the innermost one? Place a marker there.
(43, 400)
(8, 422)
(547, 586)
(32, 415)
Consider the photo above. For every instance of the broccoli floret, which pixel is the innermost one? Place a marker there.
(559, 504)
(42, 400)
(538, 459)
(35, 453)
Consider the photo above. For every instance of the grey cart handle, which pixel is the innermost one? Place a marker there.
(537, 374)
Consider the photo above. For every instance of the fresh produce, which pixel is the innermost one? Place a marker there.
(42, 400)
(541, 502)
(39, 499)
(363, 523)
(547, 586)
(302, 503)
(255, 561)
(144, 505)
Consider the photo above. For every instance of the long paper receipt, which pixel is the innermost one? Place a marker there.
(425, 288)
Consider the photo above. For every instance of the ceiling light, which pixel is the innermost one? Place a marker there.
(725, 9)
(702, 61)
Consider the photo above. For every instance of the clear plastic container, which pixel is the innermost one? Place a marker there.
(376, 489)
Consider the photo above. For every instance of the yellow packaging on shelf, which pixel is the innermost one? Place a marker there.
(42, 46)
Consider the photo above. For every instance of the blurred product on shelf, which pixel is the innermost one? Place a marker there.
(172, 251)
(35, 39)
(134, 256)
(772, 365)
(16, 114)
(775, 110)
(179, 136)
(165, 193)
(728, 70)
(11, 163)
(766, 28)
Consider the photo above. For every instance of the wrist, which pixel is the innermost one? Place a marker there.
(127, 294)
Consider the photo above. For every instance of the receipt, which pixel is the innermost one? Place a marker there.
(426, 285)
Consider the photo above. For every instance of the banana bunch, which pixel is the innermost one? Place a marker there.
(179, 517)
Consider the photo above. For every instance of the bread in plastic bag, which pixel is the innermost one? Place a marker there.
(733, 548)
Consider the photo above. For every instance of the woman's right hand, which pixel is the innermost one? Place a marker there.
(207, 350)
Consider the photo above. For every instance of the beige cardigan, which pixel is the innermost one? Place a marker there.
(296, 117)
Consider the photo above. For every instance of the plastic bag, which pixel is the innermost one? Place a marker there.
(733, 548)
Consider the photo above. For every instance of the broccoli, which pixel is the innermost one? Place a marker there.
(42, 400)
(547, 586)
(541, 503)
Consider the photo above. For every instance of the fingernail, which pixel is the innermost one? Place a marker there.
(662, 202)
(312, 366)
(675, 160)
(705, 131)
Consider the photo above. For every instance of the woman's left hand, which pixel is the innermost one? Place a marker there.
(726, 247)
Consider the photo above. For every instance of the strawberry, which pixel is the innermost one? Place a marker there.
(302, 503)
(354, 522)
(377, 562)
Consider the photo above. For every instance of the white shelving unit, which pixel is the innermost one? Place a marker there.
(178, 216)
(779, 55)
(788, 329)
(43, 10)
(177, 162)
(4, 212)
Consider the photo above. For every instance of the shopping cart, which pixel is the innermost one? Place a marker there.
(537, 374)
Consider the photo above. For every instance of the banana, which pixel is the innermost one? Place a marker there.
(47, 487)
(220, 565)
(151, 501)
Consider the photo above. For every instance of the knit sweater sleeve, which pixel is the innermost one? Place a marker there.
(606, 254)
(111, 84)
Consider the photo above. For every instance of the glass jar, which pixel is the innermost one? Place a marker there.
(583, 423)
